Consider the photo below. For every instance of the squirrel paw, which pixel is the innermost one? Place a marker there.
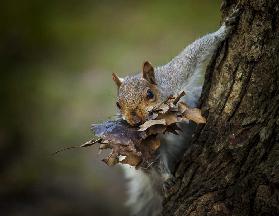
(168, 186)
(233, 18)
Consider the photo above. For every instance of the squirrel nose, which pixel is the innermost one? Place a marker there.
(133, 113)
(136, 121)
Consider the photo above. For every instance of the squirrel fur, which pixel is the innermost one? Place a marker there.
(138, 94)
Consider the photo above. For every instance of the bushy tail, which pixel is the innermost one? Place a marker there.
(144, 199)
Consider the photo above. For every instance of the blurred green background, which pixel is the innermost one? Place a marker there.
(56, 63)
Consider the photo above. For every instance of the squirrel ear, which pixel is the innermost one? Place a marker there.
(118, 81)
(148, 72)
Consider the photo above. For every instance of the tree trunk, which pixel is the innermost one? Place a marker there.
(232, 167)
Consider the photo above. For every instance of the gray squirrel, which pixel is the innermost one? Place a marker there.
(138, 94)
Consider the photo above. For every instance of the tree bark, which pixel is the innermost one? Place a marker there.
(232, 168)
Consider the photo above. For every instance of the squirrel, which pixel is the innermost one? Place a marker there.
(138, 94)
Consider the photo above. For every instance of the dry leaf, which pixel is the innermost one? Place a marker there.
(117, 131)
(154, 144)
(111, 159)
(131, 159)
(150, 123)
(193, 114)
(169, 117)
(182, 107)
(139, 146)
(155, 129)
(164, 108)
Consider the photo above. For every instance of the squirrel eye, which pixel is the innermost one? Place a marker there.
(149, 94)
(118, 105)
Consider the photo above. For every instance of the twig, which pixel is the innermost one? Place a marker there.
(157, 108)
(181, 94)
(84, 145)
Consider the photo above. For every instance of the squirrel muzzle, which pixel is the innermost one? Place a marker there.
(135, 117)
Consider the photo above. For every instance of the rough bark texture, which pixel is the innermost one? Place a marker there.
(232, 167)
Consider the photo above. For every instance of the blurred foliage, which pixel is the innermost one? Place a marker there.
(57, 58)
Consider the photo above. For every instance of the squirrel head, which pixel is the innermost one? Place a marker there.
(137, 95)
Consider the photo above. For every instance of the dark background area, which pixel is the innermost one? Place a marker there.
(56, 63)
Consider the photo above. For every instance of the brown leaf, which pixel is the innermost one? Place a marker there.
(104, 146)
(117, 131)
(148, 148)
(194, 115)
(169, 117)
(111, 159)
(131, 159)
(139, 145)
(150, 123)
(182, 107)
(164, 108)
(155, 129)
(154, 144)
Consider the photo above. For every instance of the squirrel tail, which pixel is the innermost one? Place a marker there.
(144, 199)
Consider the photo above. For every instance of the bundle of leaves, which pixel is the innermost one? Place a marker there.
(138, 146)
